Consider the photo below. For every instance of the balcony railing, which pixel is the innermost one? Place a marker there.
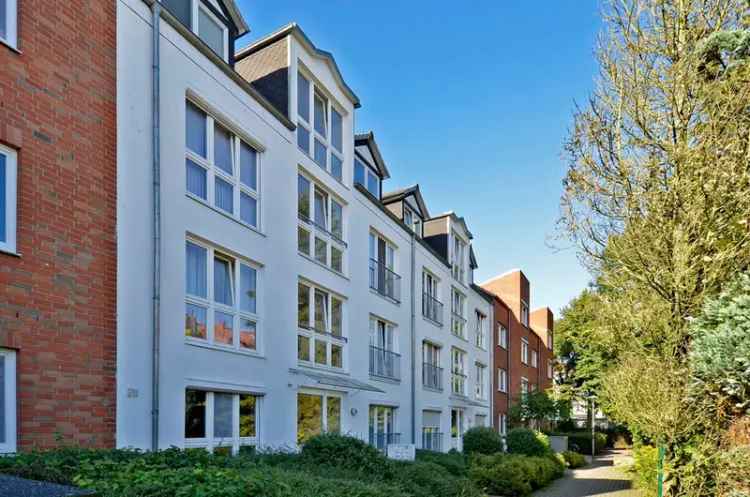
(432, 376)
(458, 325)
(432, 308)
(458, 383)
(385, 363)
(432, 440)
(381, 440)
(384, 281)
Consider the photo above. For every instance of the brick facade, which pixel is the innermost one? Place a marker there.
(57, 298)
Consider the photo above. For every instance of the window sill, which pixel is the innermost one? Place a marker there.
(385, 379)
(385, 297)
(222, 348)
(9, 252)
(10, 46)
(318, 367)
(318, 263)
(224, 213)
(432, 322)
(463, 339)
(431, 389)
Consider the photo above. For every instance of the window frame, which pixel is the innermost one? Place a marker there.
(550, 369)
(525, 351)
(459, 248)
(212, 307)
(524, 313)
(11, 401)
(502, 380)
(313, 335)
(458, 319)
(214, 171)
(11, 200)
(458, 367)
(324, 396)
(11, 27)
(502, 336)
(209, 441)
(315, 231)
(368, 171)
(524, 385)
(198, 6)
(481, 331)
(534, 359)
(480, 388)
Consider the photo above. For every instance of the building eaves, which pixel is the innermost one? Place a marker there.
(488, 296)
(236, 16)
(402, 193)
(368, 140)
(456, 218)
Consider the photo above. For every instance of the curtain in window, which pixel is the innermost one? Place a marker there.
(195, 274)
(223, 282)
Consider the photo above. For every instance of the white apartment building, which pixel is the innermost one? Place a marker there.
(267, 290)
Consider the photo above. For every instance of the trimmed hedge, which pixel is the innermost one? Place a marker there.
(574, 459)
(482, 440)
(528, 442)
(510, 475)
(452, 462)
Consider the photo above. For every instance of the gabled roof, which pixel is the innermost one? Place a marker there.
(368, 140)
(401, 194)
(456, 219)
(293, 29)
(236, 17)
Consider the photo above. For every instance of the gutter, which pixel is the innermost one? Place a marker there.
(413, 344)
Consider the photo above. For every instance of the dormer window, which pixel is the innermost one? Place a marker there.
(366, 177)
(412, 220)
(202, 21)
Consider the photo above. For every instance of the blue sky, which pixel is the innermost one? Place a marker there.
(472, 100)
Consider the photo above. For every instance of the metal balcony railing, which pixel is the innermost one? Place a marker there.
(458, 383)
(458, 325)
(432, 376)
(432, 440)
(432, 308)
(381, 440)
(384, 281)
(385, 363)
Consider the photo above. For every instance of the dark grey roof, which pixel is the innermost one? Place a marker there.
(336, 381)
(368, 140)
(401, 194)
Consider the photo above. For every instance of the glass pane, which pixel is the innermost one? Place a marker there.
(321, 310)
(336, 167)
(179, 8)
(336, 315)
(195, 269)
(211, 32)
(336, 130)
(247, 334)
(303, 197)
(303, 348)
(303, 305)
(337, 260)
(373, 185)
(223, 293)
(321, 352)
(321, 108)
(248, 166)
(224, 195)
(334, 414)
(320, 154)
(195, 129)
(337, 356)
(321, 251)
(195, 414)
(247, 415)
(223, 149)
(223, 415)
(195, 179)
(248, 209)
(359, 172)
(303, 97)
(303, 241)
(248, 290)
(337, 219)
(321, 208)
(303, 139)
(223, 328)
(309, 416)
(195, 321)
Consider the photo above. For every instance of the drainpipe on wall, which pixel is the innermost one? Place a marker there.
(413, 346)
(156, 145)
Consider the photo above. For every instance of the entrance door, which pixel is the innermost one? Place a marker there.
(457, 429)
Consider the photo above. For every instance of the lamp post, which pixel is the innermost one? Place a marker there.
(593, 429)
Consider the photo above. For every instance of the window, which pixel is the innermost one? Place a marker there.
(382, 422)
(220, 168)
(366, 177)
(221, 298)
(8, 22)
(432, 438)
(525, 350)
(316, 414)
(457, 425)
(7, 401)
(502, 380)
(321, 223)
(502, 423)
(385, 362)
(534, 359)
(480, 332)
(550, 370)
(327, 133)
(524, 385)
(432, 308)
(199, 18)
(524, 313)
(480, 420)
(432, 373)
(383, 278)
(7, 198)
(458, 321)
(458, 371)
(502, 336)
(221, 421)
(480, 378)
(458, 259)
(412, 220)
(320, 338)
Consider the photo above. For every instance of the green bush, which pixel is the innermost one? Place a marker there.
(482, 440)
(342, 451)
(580, 441)
(528, 442)
(646, 464)
(573, 459)
(452, 462)
(513, 475)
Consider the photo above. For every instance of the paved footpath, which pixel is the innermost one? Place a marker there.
(604, 478)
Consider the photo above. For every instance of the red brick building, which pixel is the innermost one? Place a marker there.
(57, 234)
(523, 352)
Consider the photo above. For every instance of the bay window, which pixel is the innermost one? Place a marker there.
(8, 190)
(320, 336)
(325, 230)
(220, 421)
(221, 299)
(220, 168)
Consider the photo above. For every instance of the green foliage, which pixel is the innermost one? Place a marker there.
(513, 475)
(646, 460)
(573, 459)
(482, 440)
(538, 406)
(580, 441)
(452, 462)
(342, 451)
(528, 442)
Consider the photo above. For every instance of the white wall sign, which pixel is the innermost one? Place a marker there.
(402, 452)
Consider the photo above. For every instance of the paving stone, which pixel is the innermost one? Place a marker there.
(19, 487)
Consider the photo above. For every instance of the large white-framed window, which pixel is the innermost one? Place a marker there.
(432, 373)
(382, 426)
(365, 176)
(525, 350)
(385, 361)
(320, 227)
(412, 220)
(221, 421)
(480, 381)
(382, 267)
(7, 401)
(317, 413)
(502, 380)
(480, 331)
(524, 313)
(502, 336)
(321, 341)
(432, 438)
(320, 126)
(221, 169)
(432, 308)
(221, 298)
(458, 313)
(458, 258)
(458, 371)
(197, 16)
(9, 22)
(8, 198)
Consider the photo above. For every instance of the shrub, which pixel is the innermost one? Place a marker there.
(452, 462)
(482, 440)
(513, 475)
(342, 451)
(528, 442)
(573, 459)
(646, 464)
(580, 441)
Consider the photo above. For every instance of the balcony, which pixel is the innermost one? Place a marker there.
(432, 308)
(384, 281)
(381, 440)
(432, 376)
(385, 363)
(458, 383)
(432, 440)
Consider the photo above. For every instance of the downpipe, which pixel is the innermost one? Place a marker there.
(413, 345)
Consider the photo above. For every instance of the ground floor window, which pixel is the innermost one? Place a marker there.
(432, 438)
(457, 423)
(316, 414)
(7, 401)
(220, 421)
(383, 427)
(480, 420)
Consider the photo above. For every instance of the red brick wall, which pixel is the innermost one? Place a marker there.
(57, 300)
(500, 356)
